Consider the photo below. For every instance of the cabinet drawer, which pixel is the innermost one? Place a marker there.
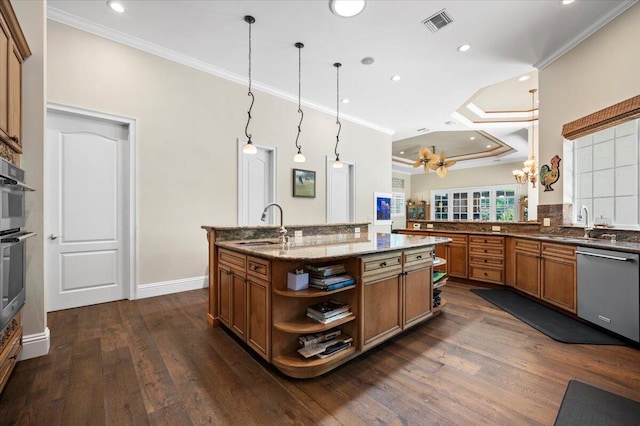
(232, 258)
(482, 273)
(486, 250)
(551, 250)
(484, 240)
(389, 263)
(527, 245)
(11, 353)
(486, 261)
(418, 256)
(260, 268)
(456, 239)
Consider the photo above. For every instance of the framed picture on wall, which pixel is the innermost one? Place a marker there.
(304, 183)
(381, 208)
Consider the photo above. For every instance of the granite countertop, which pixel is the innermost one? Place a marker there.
(334, 246)
(600, 243)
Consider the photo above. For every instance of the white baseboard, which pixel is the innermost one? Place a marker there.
(170, 287)
(35, 345)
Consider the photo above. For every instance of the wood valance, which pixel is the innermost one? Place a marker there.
(608, 117)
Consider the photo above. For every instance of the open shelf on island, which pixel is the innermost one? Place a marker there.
(438, 261)
(440, 283)
(310, 292)
(443, 303)
(294, 365)
(306, 325)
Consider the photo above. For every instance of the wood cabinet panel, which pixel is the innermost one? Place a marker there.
(527, 272)
(5, 37)
(382, 309)
(260, 268)
(238, 304)
(457, 260)
(224, 294)
(418, 296)
(559, 272)
(14, 74)
(259, 318)
(487, 274)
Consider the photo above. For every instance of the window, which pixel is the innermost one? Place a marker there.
(497, 203)
(397, 204)
(605, 167)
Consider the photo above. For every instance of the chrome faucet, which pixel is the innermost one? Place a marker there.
(587, 228)
(610, 236)
(283, 231)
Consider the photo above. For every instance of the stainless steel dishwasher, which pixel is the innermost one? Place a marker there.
(608, 290)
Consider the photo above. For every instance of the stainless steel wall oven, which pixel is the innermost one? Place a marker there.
(12, 241)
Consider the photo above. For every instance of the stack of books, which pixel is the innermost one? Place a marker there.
(330, 277)
(328, 311)
(324, 344)
(438, 276)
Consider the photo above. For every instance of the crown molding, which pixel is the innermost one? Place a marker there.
(604, 20)
(145, 46)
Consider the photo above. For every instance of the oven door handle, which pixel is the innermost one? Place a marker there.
(19, 239)
(13, 182)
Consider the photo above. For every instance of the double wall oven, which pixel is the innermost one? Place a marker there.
(12, 241)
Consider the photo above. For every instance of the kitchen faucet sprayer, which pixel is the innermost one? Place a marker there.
(283, 230)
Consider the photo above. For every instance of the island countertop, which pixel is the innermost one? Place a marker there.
(336, 246)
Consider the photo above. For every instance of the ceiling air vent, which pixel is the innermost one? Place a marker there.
(437, 21)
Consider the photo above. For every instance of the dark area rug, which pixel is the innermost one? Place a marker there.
(586, 405)
(554, 324)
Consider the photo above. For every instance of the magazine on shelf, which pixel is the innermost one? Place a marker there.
(336, 286)
(328, 307)
(312, 339)
(329, 319)
(319, 348)
(438, 276)
(325, 271)
(337, 347)
(334, 279)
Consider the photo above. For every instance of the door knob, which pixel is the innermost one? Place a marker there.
(53, 237)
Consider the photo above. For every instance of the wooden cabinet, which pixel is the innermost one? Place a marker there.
(13, 50)
(259, 318)
(546, 271)
(486, 258)
(417, 286)
(527, 266)
(558, 273)
(417, 212)
(232, 291)
(10, 348)
(455, 253)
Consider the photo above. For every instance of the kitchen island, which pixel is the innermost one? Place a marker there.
(393, 290)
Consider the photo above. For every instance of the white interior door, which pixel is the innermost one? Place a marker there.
(85, 226)
(340, 192)
(256, 187)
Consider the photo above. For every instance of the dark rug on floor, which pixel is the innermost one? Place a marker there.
(554, 324)
(586, 405)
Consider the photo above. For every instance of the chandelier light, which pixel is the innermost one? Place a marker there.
(249, 147)
(299, 157)
(337, 164)
(529, 171)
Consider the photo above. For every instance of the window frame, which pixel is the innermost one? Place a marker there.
(451, 214)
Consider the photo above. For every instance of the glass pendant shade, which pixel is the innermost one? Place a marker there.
(249, 148)
(337, 164)
(299, 158)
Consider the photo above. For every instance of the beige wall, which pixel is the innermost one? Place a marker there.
(498, 174)
(601, 71)
(400, 221)
(188, 125)
(32, 18)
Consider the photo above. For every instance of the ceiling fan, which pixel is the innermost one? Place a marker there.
(433, 161)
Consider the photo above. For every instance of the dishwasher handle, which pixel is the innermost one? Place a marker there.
(605, 256)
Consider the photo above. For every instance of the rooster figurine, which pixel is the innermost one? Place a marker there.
(550, 175)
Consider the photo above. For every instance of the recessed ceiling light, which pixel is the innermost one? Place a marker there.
(401, 152)
(424, 129)
(524, 78)
(449, 123)
(116, 5)
(367, 60)
(488, 146)
(464, 47)
(395, 77)
(472, 138)
(347, 8)
(345, 101)
(567, 1)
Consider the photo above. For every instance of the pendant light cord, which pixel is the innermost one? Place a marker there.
(337, 65)
(299, 46)
(250, 20)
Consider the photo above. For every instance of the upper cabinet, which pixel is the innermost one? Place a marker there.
(13, 51)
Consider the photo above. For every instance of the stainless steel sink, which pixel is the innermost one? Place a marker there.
(257, 243)
(563, 238)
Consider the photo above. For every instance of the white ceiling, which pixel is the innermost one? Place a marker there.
(508, 39)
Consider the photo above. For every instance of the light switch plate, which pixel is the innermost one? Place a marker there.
(495, 228)
(297, 233)
(429, 225)
(546, 221)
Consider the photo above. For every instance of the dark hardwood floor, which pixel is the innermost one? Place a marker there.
(155, 361)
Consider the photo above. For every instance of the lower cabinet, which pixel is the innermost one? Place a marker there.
(10, 348)
(559, 276)
(259, 323)
(418, 296)
(527, 266)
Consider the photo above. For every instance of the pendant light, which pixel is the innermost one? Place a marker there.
(249, 147)
(529, 173)
(299, 157)
(337, 164)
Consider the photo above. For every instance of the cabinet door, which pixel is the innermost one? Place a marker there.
(382, 314)
(4, 93)
(527, 273)
(238, 305)
(224, 294)
(259, 307)
(457, 260)
(558, 273)
(418, 299)
(15, 100)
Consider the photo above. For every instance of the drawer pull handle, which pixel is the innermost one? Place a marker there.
(256, 267)
(485, 274)
(419, 256)
(485, 261)
(383, 264)
(485, 251)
